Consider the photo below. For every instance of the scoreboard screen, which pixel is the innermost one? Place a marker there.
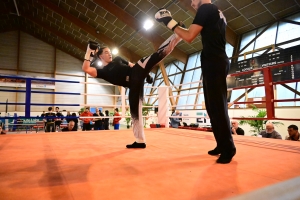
(274, 58)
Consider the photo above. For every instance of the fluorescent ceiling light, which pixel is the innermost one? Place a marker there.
(148, 24)
(115, 51)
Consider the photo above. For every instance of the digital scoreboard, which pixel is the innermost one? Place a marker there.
(274, 58)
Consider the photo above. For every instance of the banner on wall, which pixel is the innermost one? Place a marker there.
(21, 83)
(278, 74)
(204, 120)
(202, 117)
(186, 120)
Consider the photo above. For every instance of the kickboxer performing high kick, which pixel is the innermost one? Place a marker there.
(124, 73)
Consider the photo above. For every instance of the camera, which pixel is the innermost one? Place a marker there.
(94, 45)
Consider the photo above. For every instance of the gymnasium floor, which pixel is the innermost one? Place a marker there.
(174, 166)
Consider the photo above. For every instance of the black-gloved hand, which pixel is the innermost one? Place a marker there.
(149, 79)
(181, 24)
(88, 53)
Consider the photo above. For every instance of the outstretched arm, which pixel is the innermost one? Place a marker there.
(190, 34)
(86, 63)
(163, 15)
(88, 69)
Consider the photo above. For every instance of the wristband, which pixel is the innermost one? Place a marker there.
(175, 26)
(171, 24)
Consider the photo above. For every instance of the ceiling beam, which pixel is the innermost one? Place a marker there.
(101, 37)
(231, 36)
(135, 24)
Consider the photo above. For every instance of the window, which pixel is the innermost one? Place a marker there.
(194, 61)
(246, 38)
(182, 99)
(196, 77)
(235, 94)
(172, 69)
(191, 98)
(267, 38)
(284, 93)
(188, 76)
(177, 79)
(200, 99)
(257, 92)
(229, 50)
(288, 31)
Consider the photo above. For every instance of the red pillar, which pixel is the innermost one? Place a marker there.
(268, 81)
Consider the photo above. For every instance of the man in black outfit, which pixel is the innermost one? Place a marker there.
(211, 23)
(106, 120)
(60, 116)
(50, 121)
(70, 127)
(235, 129)
(98, 121)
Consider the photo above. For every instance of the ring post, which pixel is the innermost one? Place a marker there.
(269, 91)
(162, 113)
(28, 97)
(6, 122)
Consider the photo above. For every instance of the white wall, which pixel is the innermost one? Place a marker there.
(70, 88)
(98, 89)
(8, 50)
(35, 55)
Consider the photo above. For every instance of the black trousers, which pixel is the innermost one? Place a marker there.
(215, 95)
(50, 126)
(136, 83)
(86, 127)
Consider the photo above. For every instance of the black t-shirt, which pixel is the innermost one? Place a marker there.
(58, 114)
(213, 33)
(50, 115)
(67, 129)
(239, 131)
(115, 72)
(98, 121)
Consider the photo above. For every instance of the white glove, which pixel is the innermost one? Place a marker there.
(163, 15)
(88, 53)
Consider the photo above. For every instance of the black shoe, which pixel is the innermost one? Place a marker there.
(226, 157)
(214, 152)
(136, 145)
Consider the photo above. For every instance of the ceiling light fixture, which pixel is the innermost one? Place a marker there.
(148, 24)
(115, 51)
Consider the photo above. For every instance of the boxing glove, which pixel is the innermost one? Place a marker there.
(94, 45)
(89, 53)
(149, 79)
(163, 15)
